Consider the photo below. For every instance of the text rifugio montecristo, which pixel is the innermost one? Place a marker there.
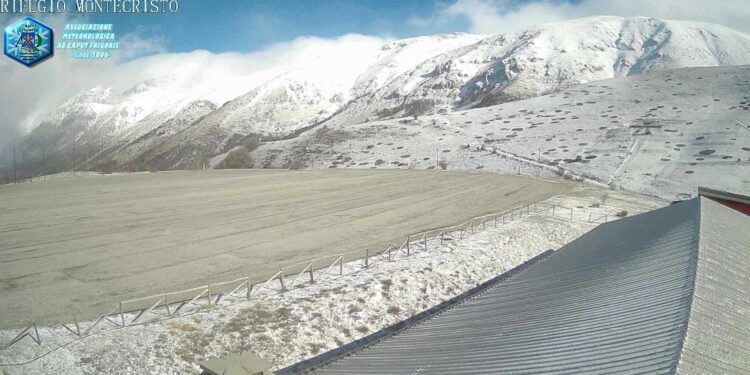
(89, 6)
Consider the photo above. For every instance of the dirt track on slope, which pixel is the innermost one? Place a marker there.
(82, 245)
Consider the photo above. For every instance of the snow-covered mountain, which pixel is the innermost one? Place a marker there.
(549, 57)
(661, 133)
(417, 76)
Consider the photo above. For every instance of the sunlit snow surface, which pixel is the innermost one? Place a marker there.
(662, 133)
(356, 79)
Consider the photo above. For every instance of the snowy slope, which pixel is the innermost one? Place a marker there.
(662, 133)
(367, 82)
(313, 92)
(547, 58)
(400, 57)
(301, 96)
(175, 125)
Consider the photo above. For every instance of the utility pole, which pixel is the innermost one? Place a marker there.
(14, 159)
(74, 159)
(44, 158)
(437, 156)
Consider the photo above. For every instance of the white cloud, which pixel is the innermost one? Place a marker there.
(25, 91)
(28, 94)
(138, 44)
(501, 16)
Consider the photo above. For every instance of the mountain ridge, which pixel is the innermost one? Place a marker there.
(417, 76)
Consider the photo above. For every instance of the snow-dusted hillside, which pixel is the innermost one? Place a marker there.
(662, 133)
(437, 74)
(547, 58)
(175, 125)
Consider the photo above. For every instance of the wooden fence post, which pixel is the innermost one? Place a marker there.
(166, 304)
(75, 320)
(281, 279)
(122, 315)
(38, 339)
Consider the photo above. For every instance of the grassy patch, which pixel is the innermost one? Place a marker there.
(193, 348)
(179, 326)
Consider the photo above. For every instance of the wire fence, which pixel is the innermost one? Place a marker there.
(164, 306)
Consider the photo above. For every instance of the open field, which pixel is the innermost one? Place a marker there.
(81, 245)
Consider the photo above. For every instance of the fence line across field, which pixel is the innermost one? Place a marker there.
(163, 306)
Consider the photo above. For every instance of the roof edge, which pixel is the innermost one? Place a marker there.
(712, 193)
(694, 265)
(344, 350)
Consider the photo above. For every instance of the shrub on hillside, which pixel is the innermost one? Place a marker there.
(108, 166)
(237, 159)
(295, 164)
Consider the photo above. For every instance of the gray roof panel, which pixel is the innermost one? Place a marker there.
(718, 335)
(616, 300)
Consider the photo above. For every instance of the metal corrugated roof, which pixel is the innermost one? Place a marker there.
(639, 295)
(718, 335)
(616, 300)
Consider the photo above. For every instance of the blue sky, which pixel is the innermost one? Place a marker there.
(221, 26)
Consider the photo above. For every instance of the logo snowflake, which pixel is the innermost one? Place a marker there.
(28, 41)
